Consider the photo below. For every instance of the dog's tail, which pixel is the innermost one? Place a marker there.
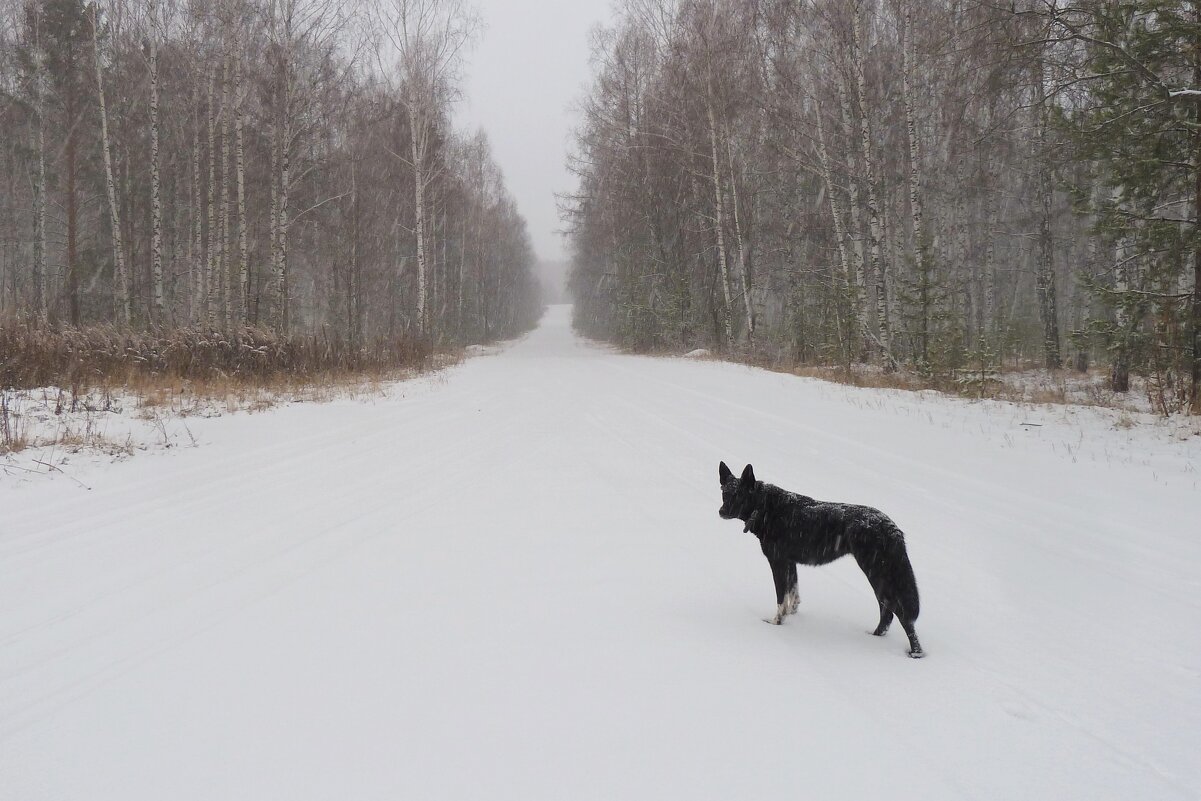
(904, 586)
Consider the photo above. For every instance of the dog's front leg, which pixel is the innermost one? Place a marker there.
(779, 574)
(792, 598)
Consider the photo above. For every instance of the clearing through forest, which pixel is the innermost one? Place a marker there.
(509, 580)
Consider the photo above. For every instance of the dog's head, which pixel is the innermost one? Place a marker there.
(738, 493)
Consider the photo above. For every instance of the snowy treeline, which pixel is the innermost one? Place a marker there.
(925, 184)
(281, 163)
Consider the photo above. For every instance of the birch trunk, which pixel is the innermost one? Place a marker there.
(196, 259)
(894, 237)
(226, 158)
(284, 310)
(71, 101)
(40, 300)
(1195, 377)
(991, 315)
(352, 281)
(273, 223)
(462, 272)
(719, 225)
(431, 250)
(212, 263)
(129, 218)
(840, 234)
(418, 151)
(281, 167)
(445, 240)
(479, 264)
(1082, 303)
(121, 279)
(743, 273)
(860, 286)
(437, 280)
(873, 205)
(960, 263)
(156, 208)
(915, 192)
(243, 288)
(1119, 378)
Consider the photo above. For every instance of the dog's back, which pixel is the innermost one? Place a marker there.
(818, 532)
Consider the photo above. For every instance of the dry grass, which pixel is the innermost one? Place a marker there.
(181, 372)
(1125, 422)
(82, 358)
(1030, 385)
(1058, 388)
(88, 437)
(13, 436)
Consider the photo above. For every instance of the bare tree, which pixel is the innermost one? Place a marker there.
(858, 62)
(425, 39)
(153, 28)
(246, 163)
(768, 139)
(40, 300)
(122, 278)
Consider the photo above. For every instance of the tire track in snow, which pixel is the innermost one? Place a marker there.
(15, 719)
(279, 547)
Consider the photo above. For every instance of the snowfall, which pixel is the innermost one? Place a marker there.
(508, 580)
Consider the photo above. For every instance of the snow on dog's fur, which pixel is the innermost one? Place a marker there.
(796, 529)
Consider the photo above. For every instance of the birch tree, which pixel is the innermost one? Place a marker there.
(425, 40)
(823, 180)
(121, 277)
(154, 24)
(915, 173)
(245, 152)
(40, 300)
(858, 60)
(243, 285)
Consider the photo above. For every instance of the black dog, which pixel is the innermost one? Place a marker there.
(796, 529)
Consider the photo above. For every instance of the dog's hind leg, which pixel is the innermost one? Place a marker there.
(885, 619)
(907, 603)
(870, 566)
(792, 598)
(915, 647)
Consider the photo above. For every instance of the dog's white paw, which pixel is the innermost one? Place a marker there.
(781, 611)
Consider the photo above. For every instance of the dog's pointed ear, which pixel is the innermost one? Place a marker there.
(748, 475)
(723, 473)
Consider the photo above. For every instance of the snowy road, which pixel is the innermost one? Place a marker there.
(510, 582)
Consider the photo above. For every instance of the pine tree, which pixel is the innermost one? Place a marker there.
(1140, 126)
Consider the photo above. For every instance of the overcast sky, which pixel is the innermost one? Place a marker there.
(528, 69)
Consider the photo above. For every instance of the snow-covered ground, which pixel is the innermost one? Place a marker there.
(509, 581)
(70, 434)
